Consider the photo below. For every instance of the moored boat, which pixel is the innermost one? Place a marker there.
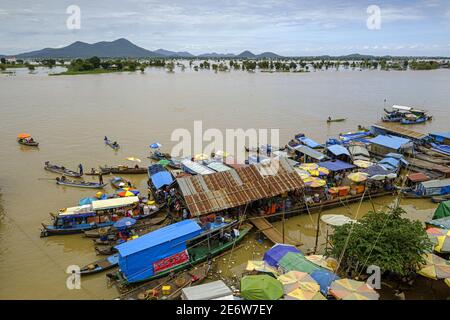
(98, 214)
(61, 170)
(120, 182)
(158, 179)
(152, 290)
(123, 169)
(173, 249)
(80, 184)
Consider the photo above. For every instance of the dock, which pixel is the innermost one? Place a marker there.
(399, 130)
(271, 232)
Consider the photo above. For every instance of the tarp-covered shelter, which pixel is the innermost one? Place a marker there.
(159, 176)
(336, 165)
(383, 144)
(433, 187)
(146, 256)
(309, 153)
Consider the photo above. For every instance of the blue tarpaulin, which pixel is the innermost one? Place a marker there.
(324, 278)
(390, 163)
(336, 165)
(309, 142)
(390, 142)
(136, 257)
(274, 254)
(338, 150)
(124, 222)
(440, 136)
(159, 176)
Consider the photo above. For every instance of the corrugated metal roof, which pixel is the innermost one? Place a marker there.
(310, 152)
(195, 167)
(218, 166)
(229, 189)
(398, 130)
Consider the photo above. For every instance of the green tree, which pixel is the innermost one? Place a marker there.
(95, 61)
(384, 239)
(3, 60)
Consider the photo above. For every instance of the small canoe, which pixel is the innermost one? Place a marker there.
(100, 265)
(336, 120)
(152, 290)
(113, 145)
(124, 170)
(439, 199)
(61, 170)
(28, 143)
(80, 184)
(119, 182)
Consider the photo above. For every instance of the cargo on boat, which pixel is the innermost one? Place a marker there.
(123, 169)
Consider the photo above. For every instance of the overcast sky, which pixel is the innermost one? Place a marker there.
(291, 27)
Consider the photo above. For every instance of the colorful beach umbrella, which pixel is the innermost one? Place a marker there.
(296, 279)
(447, 281)
(127, 192)
(319, 172)
(260, 266)
(324, 278)
(261, 287)
(277, 252)
(124, 222)
(358, 176)
(308, 166)
(133, 159)
(443, 244)
(314, 182)
(155, 145)
(201, 157)
(23, 136)
(303, 294)
(437, 232)
(302, 173)
(435, 267)
(362, 163)
(295, 261)
(320, 260)
(348, 289)
(163, 162)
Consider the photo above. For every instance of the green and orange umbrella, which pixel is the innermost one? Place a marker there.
(348, 289)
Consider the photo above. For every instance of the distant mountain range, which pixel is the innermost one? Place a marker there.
(123, 48)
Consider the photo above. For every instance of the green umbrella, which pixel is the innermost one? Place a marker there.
(296, 261)
(261, 287)
(163, 162)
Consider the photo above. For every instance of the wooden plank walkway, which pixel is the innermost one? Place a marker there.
(271, 232)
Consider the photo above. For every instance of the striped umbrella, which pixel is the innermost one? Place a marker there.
(127, 192)
(314, 182)
(302, 173)
(441, 239)
(362, 163)
(260, 266)
(321, 261)
(320, 171)
(348, 289)
(298, 280)
(435, 267)
(358, 176)
(447, 281)
(308, 166)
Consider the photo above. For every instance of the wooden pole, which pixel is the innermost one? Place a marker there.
(317, 232)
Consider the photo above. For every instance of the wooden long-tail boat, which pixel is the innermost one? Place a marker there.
(61, 170)
(122, 169)
(80, 184)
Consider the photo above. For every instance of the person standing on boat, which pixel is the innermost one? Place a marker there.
(100, 177)
(80, 167)
(106, 138)
(329, 118)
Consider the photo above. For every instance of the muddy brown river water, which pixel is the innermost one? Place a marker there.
(70, 115)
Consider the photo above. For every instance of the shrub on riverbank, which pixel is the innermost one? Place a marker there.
(383, 239)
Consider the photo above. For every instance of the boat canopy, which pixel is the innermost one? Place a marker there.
(195, 168)
(440, 136)
(159, 176)
(113, 203)
(391, 142)
(336, 165)
(137, 257)
(309, 142)
(310, 152)
(338, 150)
(208, 291)
(434, 187)
(87, 208)
(404, 108)
(218, 166)
(357, 150)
